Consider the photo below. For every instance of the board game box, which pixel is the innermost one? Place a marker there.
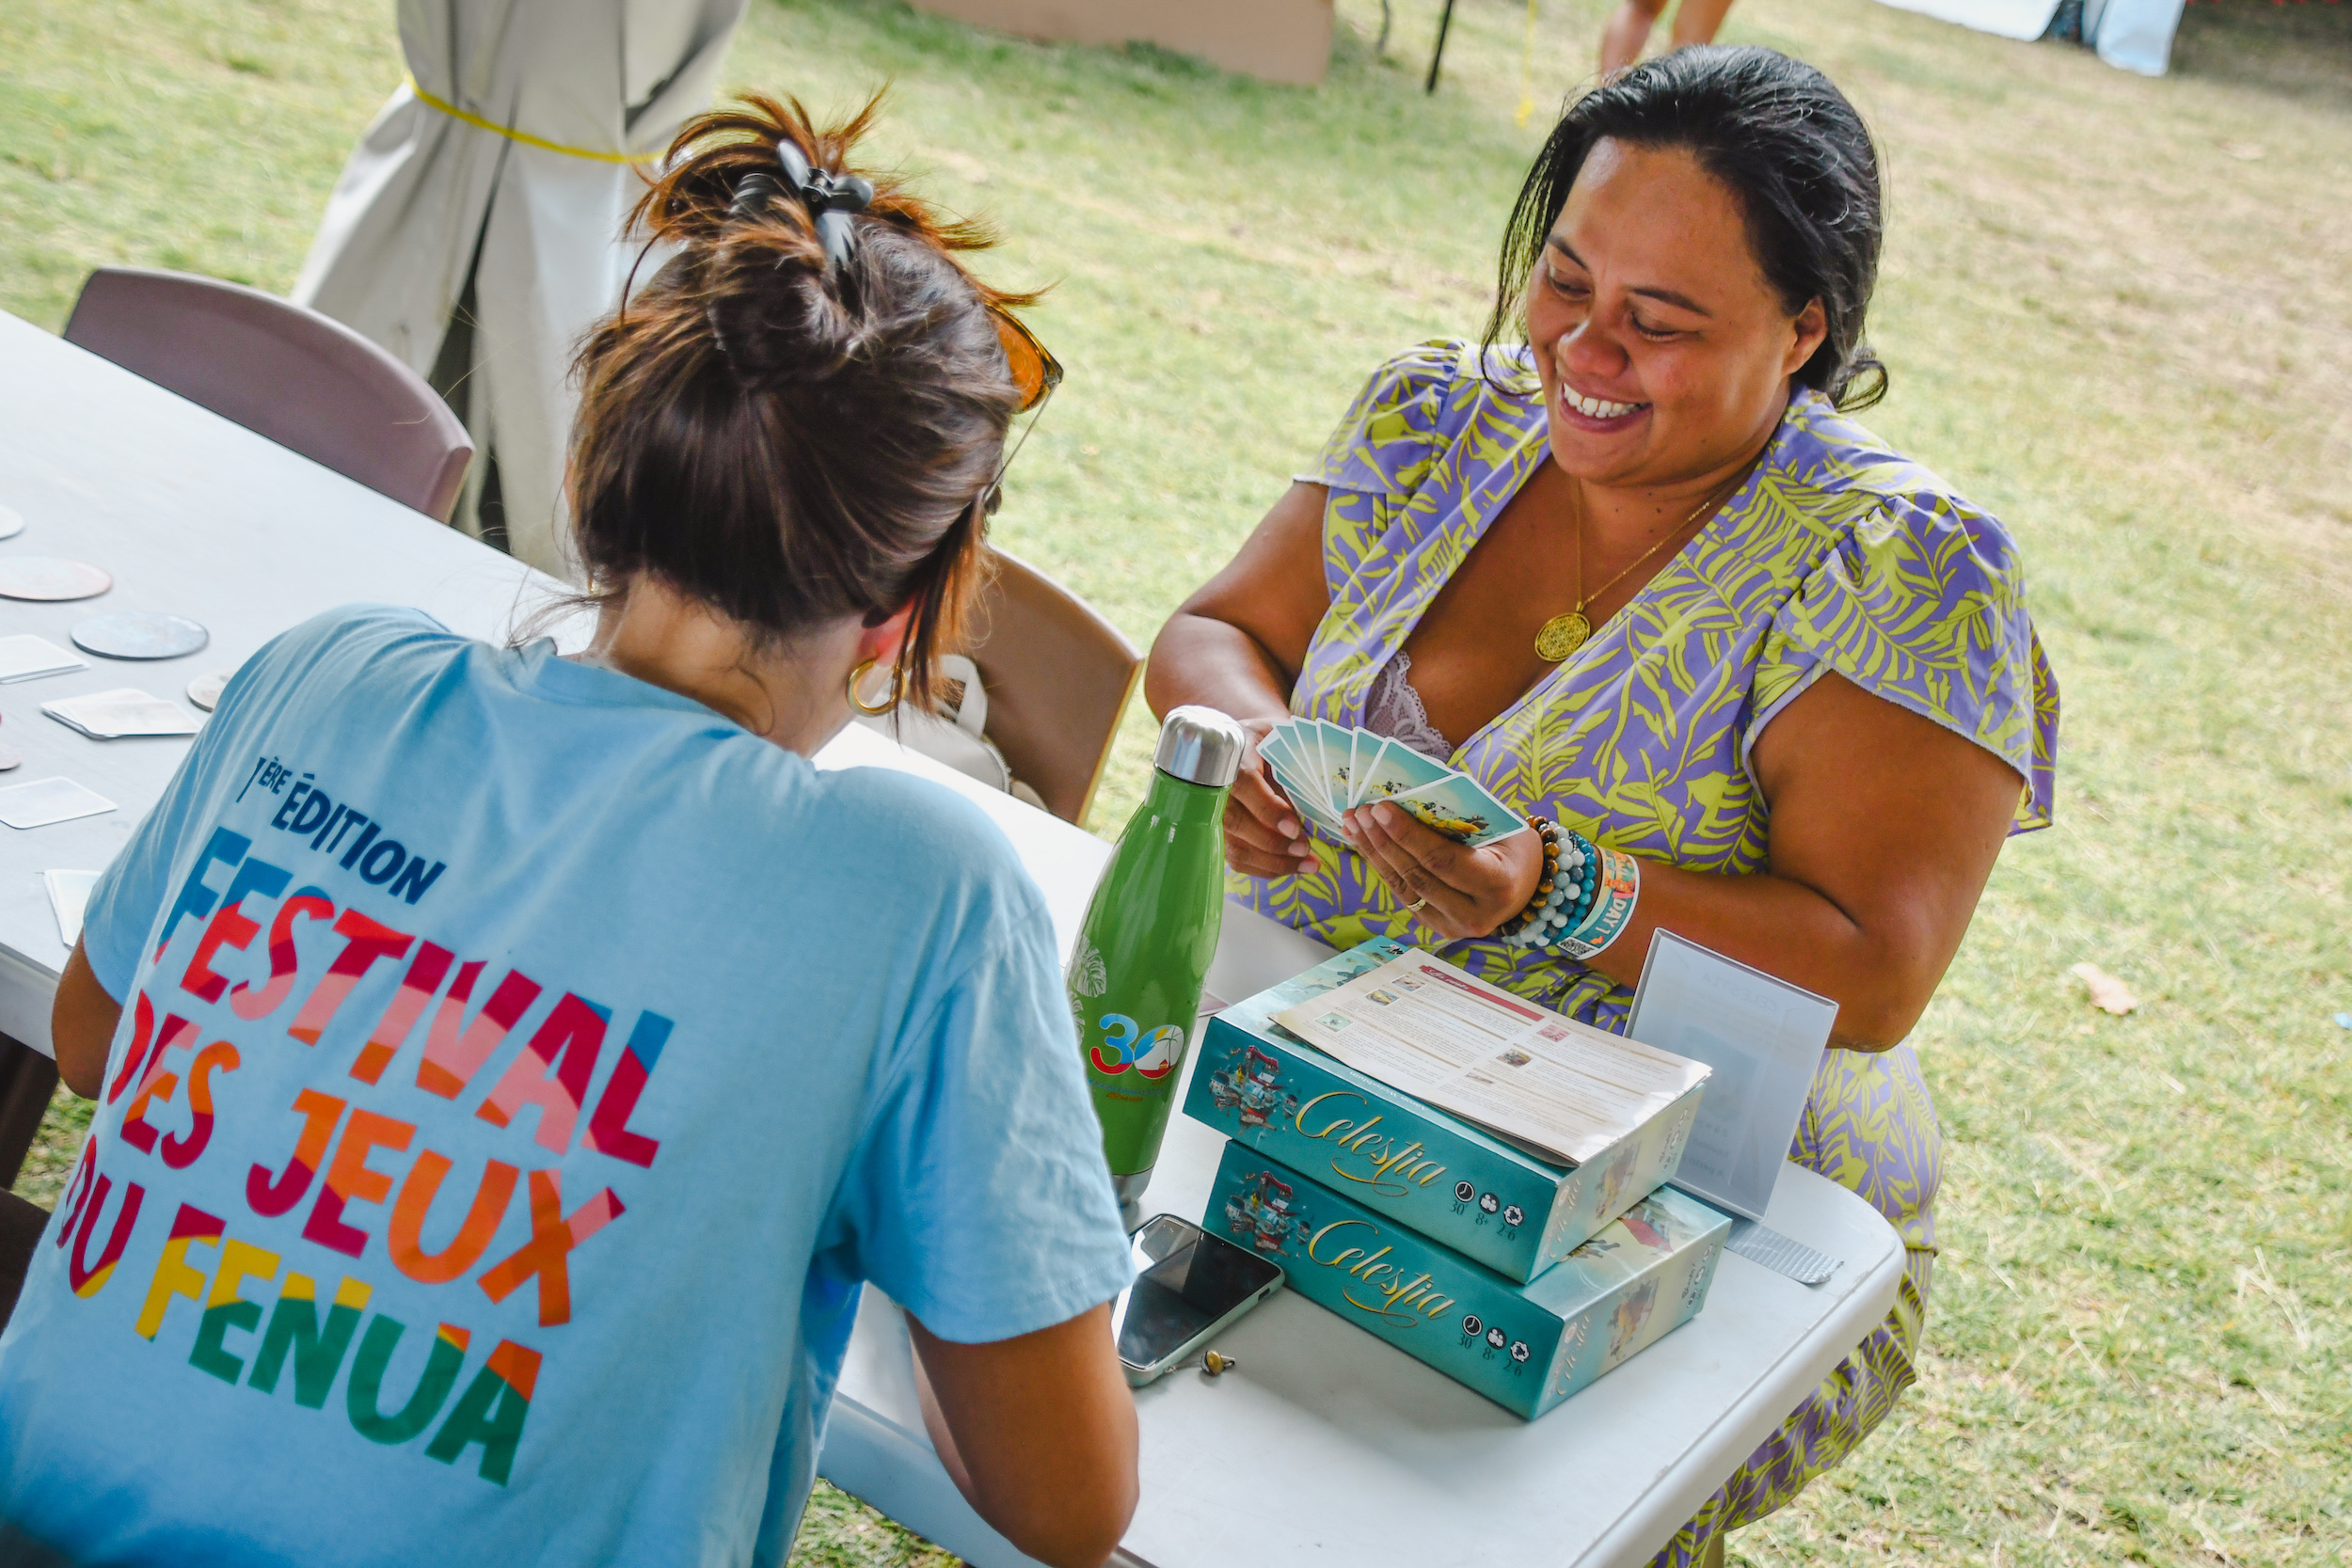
(1524, 1346)
(1408, 1161)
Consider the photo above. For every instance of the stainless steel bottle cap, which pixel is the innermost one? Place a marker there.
(1201, 745)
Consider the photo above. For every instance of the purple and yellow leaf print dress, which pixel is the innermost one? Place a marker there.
(1836, 554)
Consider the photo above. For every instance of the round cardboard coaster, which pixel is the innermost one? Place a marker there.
(139, 634)
(204, 691)
(50, 578)
(11, 522)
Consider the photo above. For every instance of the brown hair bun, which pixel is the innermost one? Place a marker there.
(787, 440)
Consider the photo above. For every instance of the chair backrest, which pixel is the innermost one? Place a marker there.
(304, 380)
(1059, 678)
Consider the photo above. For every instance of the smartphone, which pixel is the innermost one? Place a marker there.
(1189, 1286)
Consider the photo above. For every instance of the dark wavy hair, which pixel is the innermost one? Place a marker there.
(787, 440)
(1786, 144)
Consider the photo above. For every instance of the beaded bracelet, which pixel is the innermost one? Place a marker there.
(1583, 900)
(1562, 897)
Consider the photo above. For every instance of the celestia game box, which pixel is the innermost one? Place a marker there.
(1526, 1347)
(1444, 1176)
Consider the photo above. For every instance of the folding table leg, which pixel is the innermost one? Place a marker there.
(28, 1079)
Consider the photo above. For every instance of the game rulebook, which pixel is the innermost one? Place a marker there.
(1519, 1194)
(1561, 1090)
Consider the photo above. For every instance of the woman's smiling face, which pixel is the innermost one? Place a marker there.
(1665, 354)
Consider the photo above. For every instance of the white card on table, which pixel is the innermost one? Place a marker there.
(123, 712)
(46, 800)
(26, 658)
(68, 895)
(1763, 1036)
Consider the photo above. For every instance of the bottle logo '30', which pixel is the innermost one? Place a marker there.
(1125, 1045)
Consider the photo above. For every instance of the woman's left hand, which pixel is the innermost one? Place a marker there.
(1467, 892)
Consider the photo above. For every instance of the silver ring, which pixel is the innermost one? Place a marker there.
(1415, 907)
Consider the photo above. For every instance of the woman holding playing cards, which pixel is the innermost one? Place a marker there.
(1755, 677)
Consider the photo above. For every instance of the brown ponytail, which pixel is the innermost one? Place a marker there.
(788, 439)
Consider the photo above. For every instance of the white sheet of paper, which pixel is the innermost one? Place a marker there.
(1763, 1036)
(24, 657)
(68, 895)
(46, 800)
(1563, 1089)
(122, 712)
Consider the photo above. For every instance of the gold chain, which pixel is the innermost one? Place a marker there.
(1562, 635)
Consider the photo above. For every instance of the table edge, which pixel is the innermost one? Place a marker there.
(1749, 1420)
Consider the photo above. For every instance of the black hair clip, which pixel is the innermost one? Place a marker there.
(830, 198)
(754, 193)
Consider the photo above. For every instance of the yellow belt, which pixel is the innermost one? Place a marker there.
(524, 136)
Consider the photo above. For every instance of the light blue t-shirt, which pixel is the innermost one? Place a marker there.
(521, 1068)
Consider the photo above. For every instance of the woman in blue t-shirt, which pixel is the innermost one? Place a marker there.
(509, 1068)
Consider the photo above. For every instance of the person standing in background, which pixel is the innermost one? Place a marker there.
(475, 232)
(1628, 33)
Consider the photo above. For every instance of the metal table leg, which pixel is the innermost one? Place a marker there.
(28, 1079)
(1437, 57)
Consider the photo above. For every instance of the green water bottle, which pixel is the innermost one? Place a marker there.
(1135, 978)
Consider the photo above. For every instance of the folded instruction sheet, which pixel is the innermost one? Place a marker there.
(1563, 1091)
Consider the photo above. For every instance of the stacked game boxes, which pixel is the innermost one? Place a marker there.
(1520, 1278)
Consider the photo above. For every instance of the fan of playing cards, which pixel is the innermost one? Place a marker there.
(1327, 769)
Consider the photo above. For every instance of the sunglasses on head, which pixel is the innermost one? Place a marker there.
(1035, 374)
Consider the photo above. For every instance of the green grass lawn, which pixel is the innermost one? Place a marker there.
(2118, 311)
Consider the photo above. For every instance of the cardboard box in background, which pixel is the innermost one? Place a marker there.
(1276, 41)
(1464, 1187)
(1526, 1347)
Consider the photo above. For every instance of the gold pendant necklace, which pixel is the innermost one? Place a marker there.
(1562, 635)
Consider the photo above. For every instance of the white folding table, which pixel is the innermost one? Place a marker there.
(193, 515)
(1326, 1444)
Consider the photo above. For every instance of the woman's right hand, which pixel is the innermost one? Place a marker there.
(1264, 835)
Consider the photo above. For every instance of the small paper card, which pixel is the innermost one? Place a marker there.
(1759, 1242)
(1396, 768)
(68, 895)
(1456, 806)
(46, 800)
(1281, 754)
(27, 658)
(1333, 748)
(1327, 769)
(123, 712)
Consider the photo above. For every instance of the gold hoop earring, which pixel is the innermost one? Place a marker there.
(857, 678)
